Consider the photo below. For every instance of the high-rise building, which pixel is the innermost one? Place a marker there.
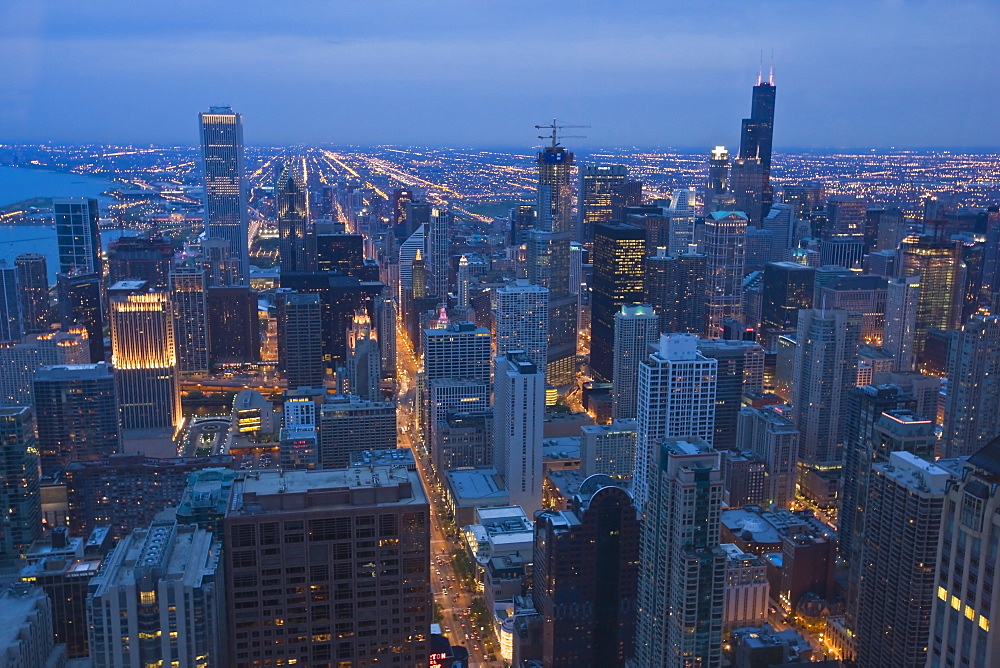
(140, 258)
(225, 185)
(780, 222)
(521, 320)
(19, 492)
(470, 265)
(585, 572)
(942, 275)
(27, 628)
(159, 599)
(221, 267)
(400, 198)
(600, 197)
(346, 424)
(384, 308)
(523, 218)
(674, 286)
(772, 436)
(618, 280)
(906, 498)
(296, 230)
(19, 362)
(609, 449)
(300, 338)
(740, 372)
(681, 233)
(339, 251)
(746, 187)
(81, 305)
(971, 417)
(826, 361)
(78, 235)
(724, 240)
(717, 185)
(804, 198)
(334, 609)
(757, 137)
(860, 293)
(682, 569)
(33, 277)
(11, 319)
(787, 288)
(142, 349)
(460, 350)
(78, 413)
(439, 252)
(364, 363)
(519, 405)
(968, 555)
(187, 301)
(676, 399)
(636, 329)
(233, 325)
(901, 302)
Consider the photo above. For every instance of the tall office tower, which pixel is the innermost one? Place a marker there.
(33, 277)
(618, 272)
(968, 557)
(78, 235)
(804, 197)
(898, 584)
(142, 350)
(636, 329)
(140, 258)
(438, 252)
(740, 372)
(519, 405)
(159, 599)
(300, 338)
(826, 362)
(296, 230)
(942, 275)
(81, 305)
(19, 362)
(418, 277)
(585, 573)
(756, 139)
(225, 185)
(787, 288)
(470, 266)
(384, 307)
(233, 325)
(901, 301)
(520, 320)
(780, 222)
(346, 424)
(397, 218)
(717, 186)
(384, 603)
(599, 198)
(11, 320)
(364, 362)
(221, 268)
(78, 413)
(888, 226)
(683, 202)
(523, 219)
(846, 216)
(676, 400)
(746, 187)
(860, 293)
(19, 492)
(682, 569)
(971, 417)
(554, 199)
(772, 437)
(187, 302)
(724, 239)
(674, 286)
(460, 350)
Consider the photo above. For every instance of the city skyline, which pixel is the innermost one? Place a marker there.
(840, 87)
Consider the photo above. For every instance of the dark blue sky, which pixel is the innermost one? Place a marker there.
(914, 73)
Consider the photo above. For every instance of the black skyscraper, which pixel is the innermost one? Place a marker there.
(755, 140)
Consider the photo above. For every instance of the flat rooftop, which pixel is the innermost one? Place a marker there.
(16, 604)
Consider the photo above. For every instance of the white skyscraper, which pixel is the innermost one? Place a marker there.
(521, 320)
(676, 399)
(901, 299)
(725, 250)
(972, 410)
(681, 212)
(225, 184)
(519, 405)
(636, 329)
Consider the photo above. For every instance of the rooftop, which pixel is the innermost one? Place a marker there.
(17, 605)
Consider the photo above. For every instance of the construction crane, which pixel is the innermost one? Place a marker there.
(555, 127)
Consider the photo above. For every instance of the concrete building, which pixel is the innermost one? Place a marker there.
(66, 580)
(773, 437)
(609, 449)
(747, 588)
(26, 629)
(300, 338)
(520, 320)
(970, 417)
(348, 423)
(187, 302)
(19, 362)
(739, 373)
(636, 329)
(463, 439)
(364, 361)
(519, 405)
(901, 300)
(724, 243)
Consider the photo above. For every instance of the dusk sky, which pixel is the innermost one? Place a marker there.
(850, 73)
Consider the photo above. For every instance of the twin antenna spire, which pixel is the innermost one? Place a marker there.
(555, 127)
(760, 70)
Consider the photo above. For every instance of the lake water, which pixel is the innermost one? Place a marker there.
(20, 183)
(17, 239)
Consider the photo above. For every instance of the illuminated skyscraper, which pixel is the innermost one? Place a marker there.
(19, 362)
(942, 280)
(519, 405)
(521, 320)
(400, 198)
(81, 305)
(746, 186)
(19, 493)
(724, 240)
(675, 287)
(142, 349)
(296, 232)
(718, 179)
(363, 358)
(618, 280)
(11, 320)
(438, 252)
(756, 140)
(225, 185)
(33, 277)
(972, 408)
(901, 301)
(635, 330)
(600, 197)
(78, 235)
(682, 213)
(187, 300)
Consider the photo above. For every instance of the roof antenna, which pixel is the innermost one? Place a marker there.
(760, 68)
(770, 76)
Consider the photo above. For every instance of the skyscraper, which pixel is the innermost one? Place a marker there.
(618, 280)
(942, 277)
(33, 277)
(757, 137)
(233, 325)
(78, 414)
(519, 405)
(971, 415)
(635, 331)
(724, 239)
(19, 362)
(585, 570)
(300, 338)
(521, 320)
(600, 197)
(225, 185)
(746, 187)
(740, 372)
(901, 302)
(363, 358)
(296, 231)
(772, 437)
(682, 572)
(19, 493)
(140, 258)
(788, 287)
(438, 252)
(681, 233)
(718, 179)
(676, 399)
(674, 286)
(142, 349)
(78, 235)
(187, 301)
(11, 320)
